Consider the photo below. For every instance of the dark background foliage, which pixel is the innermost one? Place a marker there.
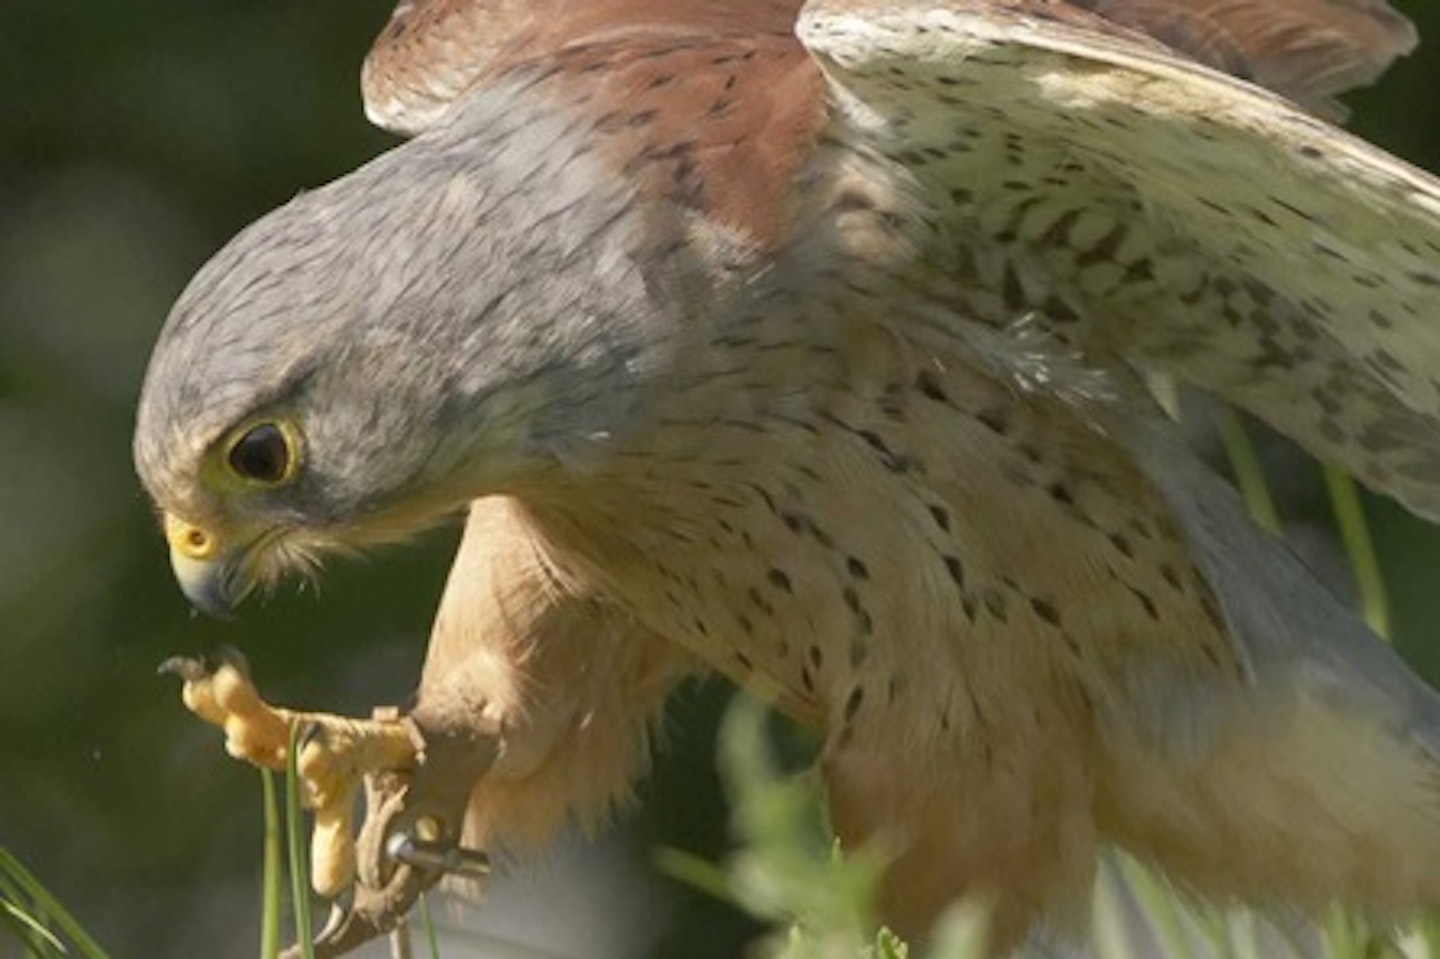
(135, 138)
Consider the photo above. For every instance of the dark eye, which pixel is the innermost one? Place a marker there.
(262, 454)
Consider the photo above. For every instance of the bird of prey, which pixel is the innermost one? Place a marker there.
(810, 344)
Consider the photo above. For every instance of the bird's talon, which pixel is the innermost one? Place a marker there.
(372, 912)
(333, 749)
(308, 733)
(334, 755)
(186, 667)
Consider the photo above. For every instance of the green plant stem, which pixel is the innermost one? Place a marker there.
(1211, 921)
(299, 864)
(270, 871)
(1425, 933)
(1342, 939)
(1360, 547)
(1249, 474)
(429, 926)
(1157, 902)
(1244, 943)
(1111, 940)
(695, 871)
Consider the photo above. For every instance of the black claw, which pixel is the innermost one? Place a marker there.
(308, 733)
(194, 668)
(189, 668)
(373, 913)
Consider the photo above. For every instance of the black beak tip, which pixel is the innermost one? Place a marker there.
(209, 591)
(210, 598)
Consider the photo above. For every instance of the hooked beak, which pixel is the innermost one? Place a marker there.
(214, 575)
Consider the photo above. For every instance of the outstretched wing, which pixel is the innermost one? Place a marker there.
(433, 51)
(1308, 50)
(1192, 222)
(1149, 208)
(711, 103)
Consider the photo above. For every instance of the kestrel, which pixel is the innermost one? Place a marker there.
(809, 344)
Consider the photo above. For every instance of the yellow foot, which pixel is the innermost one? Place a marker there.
(336, 753)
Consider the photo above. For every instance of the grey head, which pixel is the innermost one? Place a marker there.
(437, 325)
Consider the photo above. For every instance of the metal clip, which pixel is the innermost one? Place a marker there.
(437, 856)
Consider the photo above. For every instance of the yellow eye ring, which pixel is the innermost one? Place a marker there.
(267, 452)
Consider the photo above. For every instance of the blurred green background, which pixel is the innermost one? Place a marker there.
(135, 138)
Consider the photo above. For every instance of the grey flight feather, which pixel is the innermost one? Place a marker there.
(1291, 630)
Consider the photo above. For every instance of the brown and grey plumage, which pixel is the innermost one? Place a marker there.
(807, 345)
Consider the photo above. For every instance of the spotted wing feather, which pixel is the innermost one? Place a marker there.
(1151, 209)
(1309, 50)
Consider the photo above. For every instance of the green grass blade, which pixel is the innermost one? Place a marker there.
(21, 918)
(299, 853)
(1342, 938)
(1243, 936)
(1157, 902)
(40, 940)
(1249, 474)
(1360, 548)
(1421, 936)
(1111, 933)
(270, 870)
(1211, 922)
(47, 905)
(694, 871)
(426, 923)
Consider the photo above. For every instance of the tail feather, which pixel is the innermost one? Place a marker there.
(1319, 778)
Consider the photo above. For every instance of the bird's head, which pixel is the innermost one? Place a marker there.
(454, 319)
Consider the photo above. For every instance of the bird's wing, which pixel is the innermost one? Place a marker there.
(434, 51)
(711, 103)
(1308, 50)
(1163, 213)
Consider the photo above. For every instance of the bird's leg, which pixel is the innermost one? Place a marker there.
(413, 818)
(336, 753)
(418, 771)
